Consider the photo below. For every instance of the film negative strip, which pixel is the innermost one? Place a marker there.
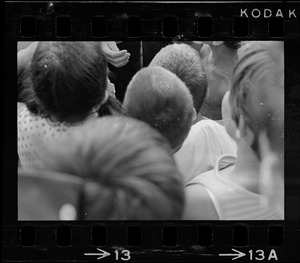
(58, 229)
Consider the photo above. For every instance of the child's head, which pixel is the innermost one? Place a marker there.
(257, 94)
(128, 167)
(185, 62)
(68, 79)
(159, 98)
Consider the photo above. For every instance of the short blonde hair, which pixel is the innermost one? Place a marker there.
(159, 98)
(257, 91)
(185, 62)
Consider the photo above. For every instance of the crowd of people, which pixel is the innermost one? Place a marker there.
(198, 134)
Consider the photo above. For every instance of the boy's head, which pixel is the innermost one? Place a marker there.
(159, 98)
(128, 169)
(257, 94)
(185, 62)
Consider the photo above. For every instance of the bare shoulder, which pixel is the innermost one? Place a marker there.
(199, 205)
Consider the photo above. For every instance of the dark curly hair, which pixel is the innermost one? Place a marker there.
(66, 79)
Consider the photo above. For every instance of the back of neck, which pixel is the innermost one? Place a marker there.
(246, 169)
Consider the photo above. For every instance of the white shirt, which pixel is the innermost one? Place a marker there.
(33, 130)
(205, 143)
(231, 200)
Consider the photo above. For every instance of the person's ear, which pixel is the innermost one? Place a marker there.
(194, 114)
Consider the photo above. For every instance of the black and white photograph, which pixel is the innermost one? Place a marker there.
(150, 130)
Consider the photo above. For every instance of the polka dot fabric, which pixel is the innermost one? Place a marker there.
(33, 129)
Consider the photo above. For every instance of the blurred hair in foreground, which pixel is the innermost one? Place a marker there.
(126, 167)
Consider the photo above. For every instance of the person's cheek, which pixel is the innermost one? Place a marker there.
(225, 107)
(226, 115)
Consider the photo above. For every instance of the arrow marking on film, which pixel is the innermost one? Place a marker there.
(238, 255)
(103, 254)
